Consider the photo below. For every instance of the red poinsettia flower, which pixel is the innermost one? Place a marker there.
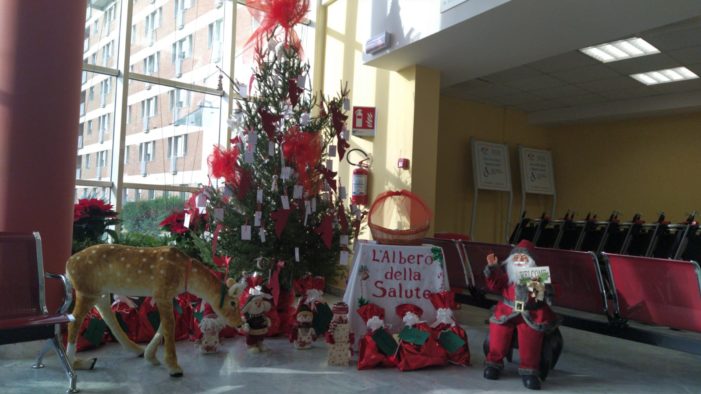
(92, 207)
(175, 223)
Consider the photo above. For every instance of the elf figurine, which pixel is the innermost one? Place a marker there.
(303, 334)
(449, 334)
(417, 346)
(377, 347)
(524, 308)
(339, 336)
(256, 322)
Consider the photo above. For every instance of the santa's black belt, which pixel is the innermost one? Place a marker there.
(524, 306)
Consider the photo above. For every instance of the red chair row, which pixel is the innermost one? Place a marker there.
(619, 288)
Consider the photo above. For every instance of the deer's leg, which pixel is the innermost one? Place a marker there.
(150, 354)
(103, 305)
(83, 304)
(167, 328)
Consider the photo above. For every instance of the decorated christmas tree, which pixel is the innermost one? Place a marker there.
(277, 200)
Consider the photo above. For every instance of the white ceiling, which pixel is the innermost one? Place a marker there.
(566, 85)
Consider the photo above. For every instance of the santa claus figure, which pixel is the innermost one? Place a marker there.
(525, 308)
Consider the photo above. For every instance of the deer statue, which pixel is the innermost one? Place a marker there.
(161, 272)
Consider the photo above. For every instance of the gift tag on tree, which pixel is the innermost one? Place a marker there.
(259, 196)
(329, 164)
(385, 342)
(219, 214)
(228, 193)
(248, 156)
(313, 204)
(286, 173)
(343, 258)
(186, 221)
(342, 192)
(243, 92)
(297, 255)
(343, 240)
(332, 150)
(307, 208)
(450, 341)
(345, 133)
(346, 104)
(304, 119)
(413, 335)
(297, 192)
(201, 200)
(271, 148)
(246, 232)
(285, 202)
(256, 218)
(261, 234)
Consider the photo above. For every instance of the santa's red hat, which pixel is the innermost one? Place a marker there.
(403, 309)
(524, 247)
(367, 311)
(443, 299)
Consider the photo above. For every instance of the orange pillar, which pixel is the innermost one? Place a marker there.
(40, 72)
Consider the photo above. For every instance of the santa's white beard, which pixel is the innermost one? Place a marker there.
(512, 266)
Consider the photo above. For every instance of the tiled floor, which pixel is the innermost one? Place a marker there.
(590, 363)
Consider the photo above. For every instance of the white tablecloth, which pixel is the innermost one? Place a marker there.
(390, 275)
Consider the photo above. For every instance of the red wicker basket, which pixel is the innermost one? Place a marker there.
(399, 217)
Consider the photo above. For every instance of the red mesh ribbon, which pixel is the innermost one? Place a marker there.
(304, 149)
(286, 13)
(224, 164)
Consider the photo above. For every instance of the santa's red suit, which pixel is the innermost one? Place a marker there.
(532, 322)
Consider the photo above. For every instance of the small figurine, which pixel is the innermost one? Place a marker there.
(303, 333)
(210, 326)
(256, 322)
(339, 336)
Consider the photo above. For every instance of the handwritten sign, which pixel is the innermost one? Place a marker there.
(490, 166)
(537, 171)
(390, 275)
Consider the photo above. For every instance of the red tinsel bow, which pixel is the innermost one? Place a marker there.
(325, 230)
(342, 219)
(329, 175)
(269, 121)
(286, 13)
(280, 217)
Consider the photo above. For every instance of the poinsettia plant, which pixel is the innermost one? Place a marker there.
(187, 229)
(92, 218)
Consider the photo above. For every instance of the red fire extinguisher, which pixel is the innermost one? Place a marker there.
(360, 178)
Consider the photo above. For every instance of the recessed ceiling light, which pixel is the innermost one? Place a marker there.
(620, 50)
(665, 76)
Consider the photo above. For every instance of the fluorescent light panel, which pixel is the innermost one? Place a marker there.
(665, 76)
(620, 50)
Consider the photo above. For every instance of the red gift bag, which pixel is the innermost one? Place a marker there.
(128, 318)
(91, 333)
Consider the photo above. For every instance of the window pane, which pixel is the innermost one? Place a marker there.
(169, 135)
(101, 33)
(102, 193)
(96, 127)
(186, 38)
(143, 210)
